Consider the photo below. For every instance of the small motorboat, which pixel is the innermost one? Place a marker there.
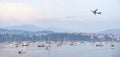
(21, 52)
(112, 46)
(41, 44)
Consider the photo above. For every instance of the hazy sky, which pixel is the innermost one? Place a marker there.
(70, 15)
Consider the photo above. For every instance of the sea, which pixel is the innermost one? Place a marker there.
(65, 50)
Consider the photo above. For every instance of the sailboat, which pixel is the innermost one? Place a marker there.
(99, 44)
(48, 47)
(25, 43)
(21, 49)
(41, 44)
(59, 44)
(21, 52)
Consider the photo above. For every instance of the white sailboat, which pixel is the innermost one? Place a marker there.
(41, 44)
(48, 47)
(25, 43)
(21, 49)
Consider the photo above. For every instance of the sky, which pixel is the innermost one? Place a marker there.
(70, 15)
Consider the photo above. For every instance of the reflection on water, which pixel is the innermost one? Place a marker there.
(81, 50)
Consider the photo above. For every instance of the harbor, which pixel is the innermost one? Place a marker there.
(65, 50)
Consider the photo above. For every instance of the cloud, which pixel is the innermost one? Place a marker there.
(17, 11)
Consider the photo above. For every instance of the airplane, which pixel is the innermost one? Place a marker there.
(95, 12)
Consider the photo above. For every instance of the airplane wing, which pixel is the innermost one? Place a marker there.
(94, 13)
(98, 12)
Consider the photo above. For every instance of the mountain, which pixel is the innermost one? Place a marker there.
(111, 31)
(56, 29)
(3, 30)
(33, 28)
(26, 29)
(45, 32)
(17, 31)
(30, 28)
(22, 31)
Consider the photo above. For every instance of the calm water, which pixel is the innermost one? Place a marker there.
(82, 50)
